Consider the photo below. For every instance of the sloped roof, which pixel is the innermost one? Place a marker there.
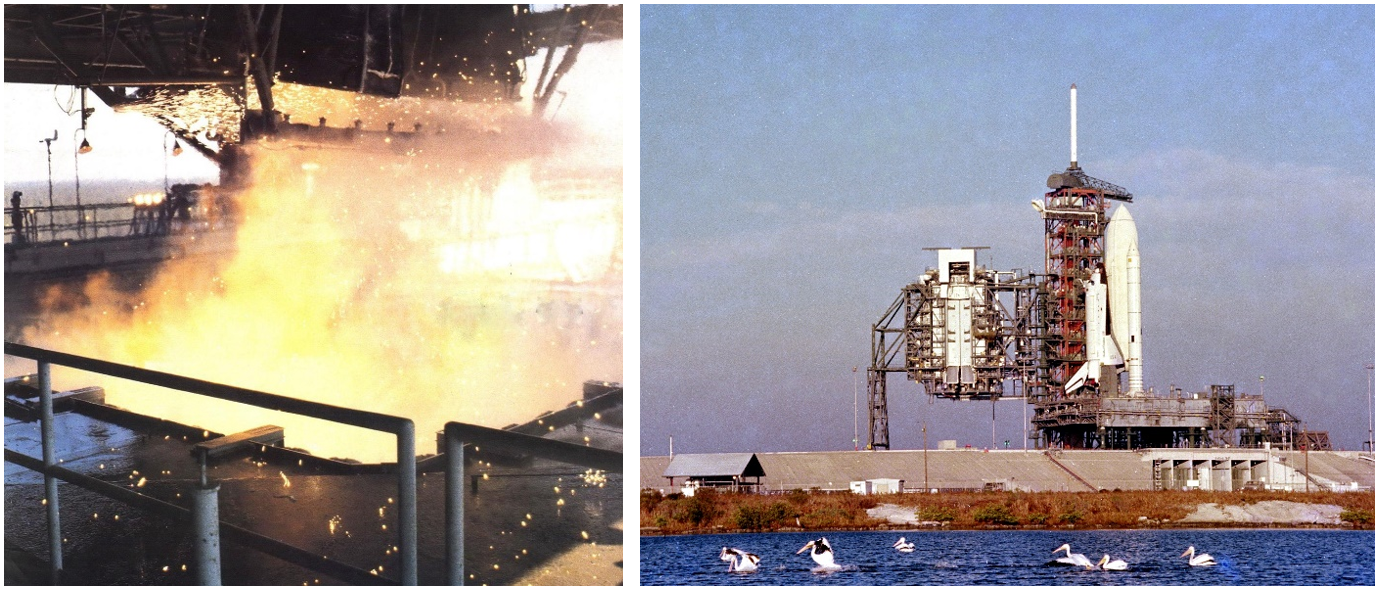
(692, 465)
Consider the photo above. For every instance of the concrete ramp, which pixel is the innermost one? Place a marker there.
(947, 469)
(1337, 469)
(1110, 470)
(1006, 470)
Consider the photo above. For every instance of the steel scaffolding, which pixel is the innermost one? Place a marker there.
(916, 335)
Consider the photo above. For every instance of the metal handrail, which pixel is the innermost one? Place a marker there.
(257, 541)
(398, 426)
(460, 434)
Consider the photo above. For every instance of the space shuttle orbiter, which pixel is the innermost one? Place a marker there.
(1113, 310)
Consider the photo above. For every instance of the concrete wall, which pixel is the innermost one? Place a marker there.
(1035, 471)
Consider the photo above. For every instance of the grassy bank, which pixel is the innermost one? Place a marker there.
(713, 511)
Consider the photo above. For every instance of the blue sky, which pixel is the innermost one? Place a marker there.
(795, 160)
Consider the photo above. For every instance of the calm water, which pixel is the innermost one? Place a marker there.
(1244, 557)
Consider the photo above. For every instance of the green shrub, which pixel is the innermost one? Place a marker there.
(1358, 517)
(650, 499)
(695, 510)
(1071, 516)
(996, 514)
(762, 517)
(828, 516)
(1036, 518)
(935, 514)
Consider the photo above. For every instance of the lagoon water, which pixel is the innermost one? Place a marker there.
(1245, 557)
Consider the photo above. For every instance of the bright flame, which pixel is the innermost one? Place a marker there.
(483, 261)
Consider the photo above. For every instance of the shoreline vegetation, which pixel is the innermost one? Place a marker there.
(712, 512)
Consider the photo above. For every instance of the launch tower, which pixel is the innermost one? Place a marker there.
(1075, 217)
(1059, 340)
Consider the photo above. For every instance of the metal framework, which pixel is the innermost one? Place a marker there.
(403, 429)
(1075, 216)
(174, 61)
(992, 320)
(1222, 421)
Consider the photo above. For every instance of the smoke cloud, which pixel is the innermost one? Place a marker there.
(472, 273)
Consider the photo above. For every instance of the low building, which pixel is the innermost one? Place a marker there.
(877, 486)
(739, 472)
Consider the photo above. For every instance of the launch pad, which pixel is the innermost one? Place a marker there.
(1067, 341)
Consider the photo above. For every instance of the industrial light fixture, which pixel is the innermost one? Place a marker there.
(177, 148)
(85, 147)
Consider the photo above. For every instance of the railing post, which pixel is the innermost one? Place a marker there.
(455, 510)
(50, 492)
(206, 533)
(407, 501)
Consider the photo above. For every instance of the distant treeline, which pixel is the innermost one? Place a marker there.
(711, 511)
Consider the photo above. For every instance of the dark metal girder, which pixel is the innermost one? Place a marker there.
(73, 67)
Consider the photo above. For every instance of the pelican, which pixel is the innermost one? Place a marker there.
(822, 554)
(1072, 559)
(1108, 564)
(1195, 559)
(739, 561)
(903, 545)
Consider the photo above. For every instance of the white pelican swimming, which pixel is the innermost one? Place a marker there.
(903, 545)
(1195, 559)
(822, 553)
(1108, 564)
(739, 561)
(1072, 559)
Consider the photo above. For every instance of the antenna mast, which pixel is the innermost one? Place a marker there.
(1073, 126)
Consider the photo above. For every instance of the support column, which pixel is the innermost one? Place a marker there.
(407, 501)
(455, 511)
(50, 491)
(206, 533)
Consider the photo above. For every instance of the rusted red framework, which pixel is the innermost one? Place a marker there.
(1075, 242)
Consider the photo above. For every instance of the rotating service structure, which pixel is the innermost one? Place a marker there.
(962, 331)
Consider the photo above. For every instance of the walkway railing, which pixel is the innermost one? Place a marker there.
(400, 427)
(458, 435)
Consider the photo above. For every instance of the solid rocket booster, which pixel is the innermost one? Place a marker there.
(1073, 126)
(1122, 261)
